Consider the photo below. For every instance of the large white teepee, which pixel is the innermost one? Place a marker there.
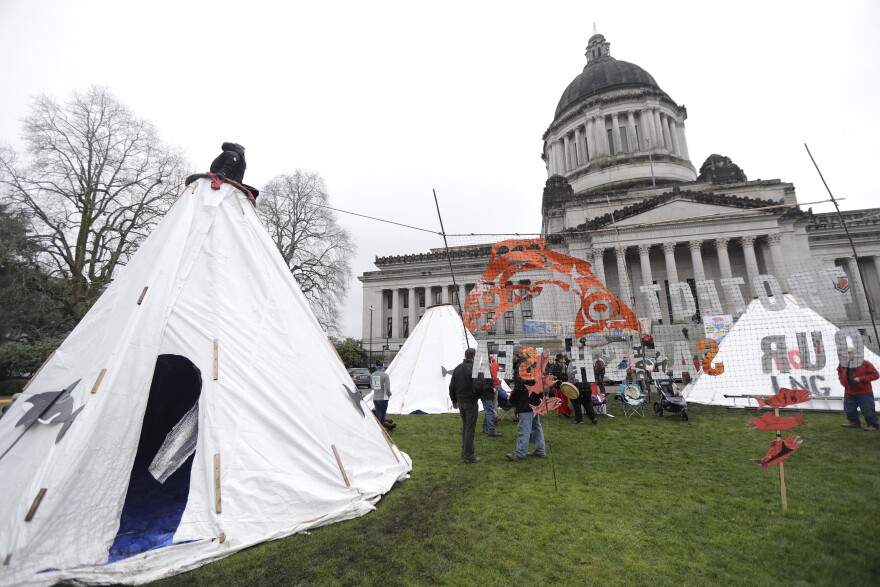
(420, 373)
(201, 365)
(744, 374)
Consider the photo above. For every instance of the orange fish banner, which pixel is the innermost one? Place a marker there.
(785, 397)
(496, 293)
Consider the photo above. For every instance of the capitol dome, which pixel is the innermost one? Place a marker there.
(615, 128)
(604, 74)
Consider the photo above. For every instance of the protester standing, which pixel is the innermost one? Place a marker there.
(584, 402)
(856, 380)
(489, 396)
(529, 423)
(380, 383)
(464, 398)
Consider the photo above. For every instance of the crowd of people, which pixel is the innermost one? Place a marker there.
(465, 390)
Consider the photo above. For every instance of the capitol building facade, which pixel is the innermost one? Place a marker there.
(672, 241)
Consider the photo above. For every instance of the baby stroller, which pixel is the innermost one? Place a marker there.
(670, 401)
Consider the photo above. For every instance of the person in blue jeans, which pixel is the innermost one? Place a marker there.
(530, 430)
(857, 377)
(381, 386)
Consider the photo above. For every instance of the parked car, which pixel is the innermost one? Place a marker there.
(360, 376)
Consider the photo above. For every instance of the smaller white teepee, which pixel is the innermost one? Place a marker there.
(421, 371)
(742, 353)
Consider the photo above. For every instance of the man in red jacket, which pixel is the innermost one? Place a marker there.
(856, 381)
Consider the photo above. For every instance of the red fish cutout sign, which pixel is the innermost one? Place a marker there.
(547, 405)
(785, 397)
(495, 293)
(779, 451)
(772, 422)
(542, 382)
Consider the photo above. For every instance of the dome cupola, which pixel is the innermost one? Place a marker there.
(614, 127)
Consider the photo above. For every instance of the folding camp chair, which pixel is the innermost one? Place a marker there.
(632, 399)
(504, 409)
(600, 404)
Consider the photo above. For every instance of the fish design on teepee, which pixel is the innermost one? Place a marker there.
(781, 448)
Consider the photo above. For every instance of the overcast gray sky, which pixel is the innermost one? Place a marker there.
(389, 100)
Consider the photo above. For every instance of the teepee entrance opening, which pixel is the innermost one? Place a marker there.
(160, 478)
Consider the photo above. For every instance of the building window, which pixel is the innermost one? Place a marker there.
(405, 326)
(492, 348)
(422, 298)
(390, 300)
(624, 141)
(389, 330)
(527, 314)
(508, 322)
(489, 317)
(406, 300)
(455, 297)
(610, 133)
(638, 136)
(438, 296)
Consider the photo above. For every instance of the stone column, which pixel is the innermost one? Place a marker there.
(671, 271)
(615, 134)
(647, 141)
(667, 138)
(567, 153)
(548, 151)
(597, 259)
(697, 259)
(551, 153)
(413, 308)
(682, 141)
(645, 260)
(748, 244)
(631, 131)
(779, 271)
(673, 135)
(723, 259)
(591, 139)
(858, 291)
(602, 135)
(658, 127)
(625, 292)
(578, 149)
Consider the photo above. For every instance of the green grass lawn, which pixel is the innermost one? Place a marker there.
(640, 501)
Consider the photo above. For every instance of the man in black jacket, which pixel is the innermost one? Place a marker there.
(230, 164)
(464, 397)
(529, 423)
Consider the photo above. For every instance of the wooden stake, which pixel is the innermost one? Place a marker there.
(388, 438)
(216, 372)
(98, 380)
(222, 537)
(238, 201)
(35, 505)
(218, 506)
(341, 468)
(143, 293)
(782, 490)
(34, 376)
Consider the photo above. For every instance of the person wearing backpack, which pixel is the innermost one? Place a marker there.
(380, 383)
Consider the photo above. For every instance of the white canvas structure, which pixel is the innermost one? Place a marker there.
(741, 352)
(281, 445)
(436, 346)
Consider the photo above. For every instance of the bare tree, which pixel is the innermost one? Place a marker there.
(94, 181)
(318, 251)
